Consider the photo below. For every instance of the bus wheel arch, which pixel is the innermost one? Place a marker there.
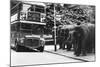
(16, 46)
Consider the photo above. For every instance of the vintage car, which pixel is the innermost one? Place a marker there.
(33, 42)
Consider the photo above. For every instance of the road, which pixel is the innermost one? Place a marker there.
(49, 56)
(37, 58)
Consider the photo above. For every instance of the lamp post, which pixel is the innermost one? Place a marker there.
(55, 44)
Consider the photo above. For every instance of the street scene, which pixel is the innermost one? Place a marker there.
(51, 33)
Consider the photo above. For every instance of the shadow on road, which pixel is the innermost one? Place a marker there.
(24, 49)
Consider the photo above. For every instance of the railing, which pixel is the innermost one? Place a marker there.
(32, 16)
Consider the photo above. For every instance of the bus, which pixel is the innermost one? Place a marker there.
(27, 26)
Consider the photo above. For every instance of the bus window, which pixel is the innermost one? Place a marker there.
(32, 16)
(39, 9)
(13, 27)
(25, 31)
(39, 6)
(26, 26)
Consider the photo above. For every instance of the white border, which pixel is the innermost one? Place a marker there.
(5, 33)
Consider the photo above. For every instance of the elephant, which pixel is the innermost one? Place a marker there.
(84, 39)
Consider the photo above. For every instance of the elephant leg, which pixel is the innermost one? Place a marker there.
(69, 46)
(83, 50)
(78, 51)
(74, 46)
(78, 48)
(60, 45)
(89, 45)
(93, 46)
(63, 45)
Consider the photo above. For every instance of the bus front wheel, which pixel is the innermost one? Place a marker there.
(16, 47)
(41, 48)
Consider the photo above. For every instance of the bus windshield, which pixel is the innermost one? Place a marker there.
(32, 12)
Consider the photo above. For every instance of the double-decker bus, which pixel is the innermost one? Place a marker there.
(27, 25)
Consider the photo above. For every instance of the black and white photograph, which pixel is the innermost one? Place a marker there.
(44, 33)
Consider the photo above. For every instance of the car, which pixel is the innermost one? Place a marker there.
(33, 42)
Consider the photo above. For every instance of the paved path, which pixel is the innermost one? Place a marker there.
(89, 57)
